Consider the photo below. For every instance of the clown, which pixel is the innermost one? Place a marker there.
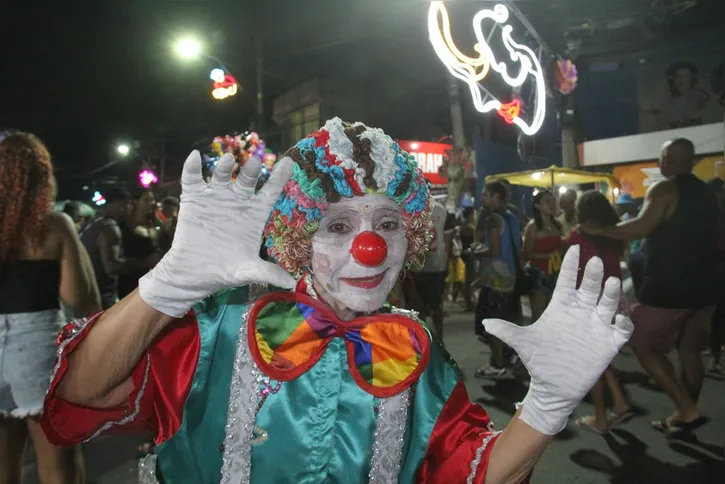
(324, 383)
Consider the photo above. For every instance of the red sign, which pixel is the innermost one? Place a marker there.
(429, 157)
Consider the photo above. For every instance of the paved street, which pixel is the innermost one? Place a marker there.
(634, 453)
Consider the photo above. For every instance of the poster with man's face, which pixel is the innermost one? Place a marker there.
(683, 89)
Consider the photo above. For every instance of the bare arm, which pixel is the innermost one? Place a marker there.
(77, 282)
(658, 206)
(515, 453)
(109, 244)
(529, 239)
(99, 369)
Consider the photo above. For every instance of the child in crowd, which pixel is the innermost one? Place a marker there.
(593, 209)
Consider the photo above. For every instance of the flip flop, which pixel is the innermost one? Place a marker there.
(584, 424)
(686, 428)
(661, 425)
(620, 418)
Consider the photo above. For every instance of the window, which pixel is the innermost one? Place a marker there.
(302, 122)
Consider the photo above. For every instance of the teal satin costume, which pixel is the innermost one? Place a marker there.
(320, 426)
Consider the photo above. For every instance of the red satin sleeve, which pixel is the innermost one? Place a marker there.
(461, 443)
(161, 383)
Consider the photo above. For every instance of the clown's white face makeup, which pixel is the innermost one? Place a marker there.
(344, 278)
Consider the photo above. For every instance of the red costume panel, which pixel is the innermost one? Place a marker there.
(161, 382)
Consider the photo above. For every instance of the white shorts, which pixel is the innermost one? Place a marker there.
(27, 357)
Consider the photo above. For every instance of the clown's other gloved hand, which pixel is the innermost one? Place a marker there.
(570, 346)
(218, 235)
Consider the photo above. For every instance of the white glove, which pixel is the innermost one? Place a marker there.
(218, 236)
(570, 346)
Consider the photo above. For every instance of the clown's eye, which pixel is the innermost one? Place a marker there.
(338, 228)
(388, 226)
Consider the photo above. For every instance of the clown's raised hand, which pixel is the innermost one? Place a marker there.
(218, 236)
(570, 346)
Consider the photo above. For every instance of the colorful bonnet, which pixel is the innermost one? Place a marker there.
(345, 160)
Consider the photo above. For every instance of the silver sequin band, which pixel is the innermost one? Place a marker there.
(389, 439)
(479, 454)
(241, 416)
(147, 470)
(78, 326)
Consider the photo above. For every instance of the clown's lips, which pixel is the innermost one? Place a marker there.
(365, 282)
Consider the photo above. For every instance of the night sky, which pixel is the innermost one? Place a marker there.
(86, 76)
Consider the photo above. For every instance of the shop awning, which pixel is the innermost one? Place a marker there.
(554, 176)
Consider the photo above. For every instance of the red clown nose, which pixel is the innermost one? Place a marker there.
(369, 249)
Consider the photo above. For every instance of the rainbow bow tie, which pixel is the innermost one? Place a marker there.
(289, 332)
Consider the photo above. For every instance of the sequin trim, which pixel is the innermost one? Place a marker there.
(479, 455)
(406, 312)
(77, 327)
(241, 416)
(389, 439)
(147, 470)
(136, 405)
(310, 287)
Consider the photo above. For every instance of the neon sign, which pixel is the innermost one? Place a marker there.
(471, 70)
(224, 84)
(147, 177)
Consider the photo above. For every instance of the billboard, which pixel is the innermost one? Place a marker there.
(429, 157)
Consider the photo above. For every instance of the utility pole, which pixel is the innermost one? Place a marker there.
(568, 138)
(260, 83)
(459, 138)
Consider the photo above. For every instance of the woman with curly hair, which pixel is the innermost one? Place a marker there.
(41, 264)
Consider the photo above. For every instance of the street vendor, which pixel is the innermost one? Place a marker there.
(325, 382)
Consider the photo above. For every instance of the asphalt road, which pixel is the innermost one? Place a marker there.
(633, 454)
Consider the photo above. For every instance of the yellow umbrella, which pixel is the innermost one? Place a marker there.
(554, 176)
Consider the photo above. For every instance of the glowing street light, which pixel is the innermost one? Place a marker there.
(188, 48)
(123, 149)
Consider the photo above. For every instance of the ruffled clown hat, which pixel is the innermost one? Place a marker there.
(345, 160)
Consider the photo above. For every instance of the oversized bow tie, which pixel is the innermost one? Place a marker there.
(289, 332)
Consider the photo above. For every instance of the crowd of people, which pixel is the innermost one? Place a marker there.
(673, 246)
(55, 266)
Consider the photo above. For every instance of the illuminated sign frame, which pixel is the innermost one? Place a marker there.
(225, 85)
(471, 70)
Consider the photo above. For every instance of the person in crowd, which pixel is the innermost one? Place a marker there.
(73, 210)
(680, 289)
(626, 207)
(499, 261)
(137, 241)
(326, 377)
(102, 238)
(512, 207)
(717, 363)
(170, 213)
(594, 209)
(468, 234)
(430, 281)
(542, 249)
(567, 217)
(42, 263)
(456, 267)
